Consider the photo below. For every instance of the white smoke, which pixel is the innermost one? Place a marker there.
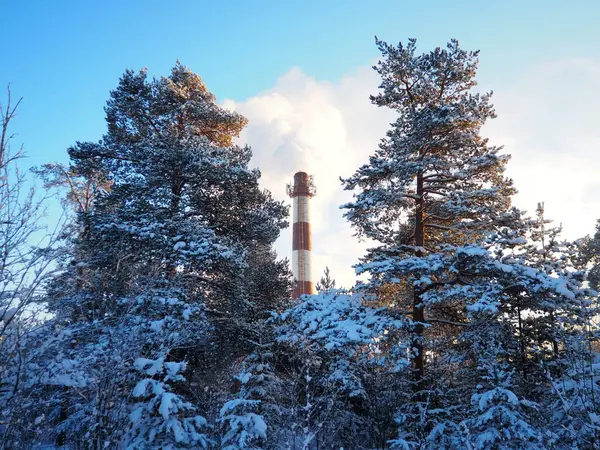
(327, 130)
(547, 121)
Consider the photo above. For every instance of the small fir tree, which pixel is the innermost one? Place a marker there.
(326, 282)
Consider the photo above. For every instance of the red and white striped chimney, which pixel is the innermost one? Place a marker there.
(301, 191)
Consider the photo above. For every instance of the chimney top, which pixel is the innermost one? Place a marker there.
(303, 186)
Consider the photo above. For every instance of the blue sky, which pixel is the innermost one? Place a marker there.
(64, 56)
(540, 57)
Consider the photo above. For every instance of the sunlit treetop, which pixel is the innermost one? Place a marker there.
(176, 107)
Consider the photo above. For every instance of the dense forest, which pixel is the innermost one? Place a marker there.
(156, 315)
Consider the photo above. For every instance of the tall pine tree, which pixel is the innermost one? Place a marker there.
(434, 179)
(163, 267)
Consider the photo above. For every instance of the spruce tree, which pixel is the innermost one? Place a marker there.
(499, 419)
(253, 419)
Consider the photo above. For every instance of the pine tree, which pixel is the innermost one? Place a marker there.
(83, 183)
(589, 248)
(158, 265)
(326, 282)
(433, 179)
(543, 325)
(490, 281)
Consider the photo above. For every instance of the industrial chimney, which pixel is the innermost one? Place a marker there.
(301, 191)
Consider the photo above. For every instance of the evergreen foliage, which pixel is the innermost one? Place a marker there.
(326, 282)
(434, 179)
(169, 322)
(168, 217)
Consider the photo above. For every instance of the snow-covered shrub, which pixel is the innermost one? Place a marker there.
(243, 427)
(337, 344)
(162, 419)
(499, 419)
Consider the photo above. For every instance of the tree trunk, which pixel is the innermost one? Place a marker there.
(418, 315)
(522, 343)
(61, 437)
(554, 341)
(176, 191)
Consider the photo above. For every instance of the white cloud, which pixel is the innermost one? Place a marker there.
(547, 121)
(327, 130)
